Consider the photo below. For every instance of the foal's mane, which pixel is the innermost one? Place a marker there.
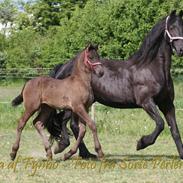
(150, 45)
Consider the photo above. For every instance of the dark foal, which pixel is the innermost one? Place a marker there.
(142, 81)
(74, 93)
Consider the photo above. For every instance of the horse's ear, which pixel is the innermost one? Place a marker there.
(90, 47)
(173, 13)
(181, 13)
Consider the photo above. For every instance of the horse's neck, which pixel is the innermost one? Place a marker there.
(165, 53)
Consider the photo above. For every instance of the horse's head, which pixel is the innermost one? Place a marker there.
(92, 60)
(174, 31)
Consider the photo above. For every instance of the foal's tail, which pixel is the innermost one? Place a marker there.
(18, 100)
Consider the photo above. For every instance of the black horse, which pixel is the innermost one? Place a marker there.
(143, 81)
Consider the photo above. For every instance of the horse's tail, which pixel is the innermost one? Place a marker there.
(18, 100)
(54, 123)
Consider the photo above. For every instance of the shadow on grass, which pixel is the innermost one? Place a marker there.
(136, 157)
(126, 157)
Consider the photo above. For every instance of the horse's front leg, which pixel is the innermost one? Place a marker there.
(150, 107)
(168, 110)
(83, 151)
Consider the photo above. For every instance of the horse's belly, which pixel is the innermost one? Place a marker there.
(115, 95)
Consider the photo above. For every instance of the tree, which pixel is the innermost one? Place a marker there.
(46, 13)
(7, 14)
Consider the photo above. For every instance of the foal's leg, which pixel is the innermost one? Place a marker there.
(168, 110)
(82, 130)
(150, 107)
(81, 112)
(21, 125)
(40, 128)
(39, 125)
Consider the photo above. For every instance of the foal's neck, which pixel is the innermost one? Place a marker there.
(81, 71)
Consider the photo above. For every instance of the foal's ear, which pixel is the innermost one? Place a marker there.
(96, 47)
(181, 13)
(173, 13)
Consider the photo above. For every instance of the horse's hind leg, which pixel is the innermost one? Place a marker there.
(21, 125)
(63, 118)
(150, 107)
(168, 110)
(39, 125)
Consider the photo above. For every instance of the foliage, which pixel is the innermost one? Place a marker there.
(48, 33)
(7, 13)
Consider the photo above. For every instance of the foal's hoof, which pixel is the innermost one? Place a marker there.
(12, 156)
(68, 155)
(49, 155)
(101, 155)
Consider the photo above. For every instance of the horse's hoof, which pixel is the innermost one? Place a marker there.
(88, 156)
(60, 148)
(181, 156)
(140, 144)
(12, 156)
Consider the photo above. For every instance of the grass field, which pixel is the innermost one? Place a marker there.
(119, 131)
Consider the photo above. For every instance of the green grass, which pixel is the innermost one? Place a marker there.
(119, 152)
(118, 131)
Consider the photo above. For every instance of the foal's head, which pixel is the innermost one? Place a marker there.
(92, 60)
(174, 31)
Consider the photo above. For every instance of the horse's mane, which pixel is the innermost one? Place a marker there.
(150, 45)
(62, 69)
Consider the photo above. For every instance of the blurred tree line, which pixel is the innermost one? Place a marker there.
(42, 33)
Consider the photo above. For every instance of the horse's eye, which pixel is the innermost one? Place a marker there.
(171, 27)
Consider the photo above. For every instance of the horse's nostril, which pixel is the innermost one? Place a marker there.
(181, 51)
